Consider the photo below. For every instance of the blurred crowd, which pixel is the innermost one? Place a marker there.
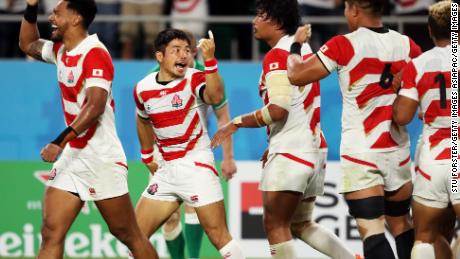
(131, 40)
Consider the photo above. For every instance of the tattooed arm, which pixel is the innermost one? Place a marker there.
(29, 37)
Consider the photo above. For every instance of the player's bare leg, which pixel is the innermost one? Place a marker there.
(315, 235)
(397, 205)
(445, 235)
(213, 219)
(151, 214)
(173, 235)
(119, 215)
(279, 209)
(426, 224)
(60, 208)
(367, 207)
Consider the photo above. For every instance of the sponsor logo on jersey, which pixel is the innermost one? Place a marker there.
(176, 101)
(92, 191)
(70, 77)
(153, 188)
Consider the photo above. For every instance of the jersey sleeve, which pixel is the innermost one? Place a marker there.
(415, 49)
(337, 52)
(198, 81)
(279, 88)
(140, 109)
(98, 69)
(50, 50)
(408, 84)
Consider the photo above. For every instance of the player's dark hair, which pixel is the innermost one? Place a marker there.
(375, 7)
(168, 35)
(284, 12)
(439, 20)
(86, 8)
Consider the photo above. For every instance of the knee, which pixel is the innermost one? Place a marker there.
(52, 232)
(123, 233)
(272, 223)
(173, 220)
(298, 228)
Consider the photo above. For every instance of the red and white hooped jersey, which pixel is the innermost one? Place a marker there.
(301, 132)
(87, 65)
(177, 113)
(366, 61)
(425, 79)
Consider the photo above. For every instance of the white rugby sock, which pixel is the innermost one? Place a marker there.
(325, 242)
(283, 250)
(232, 251)
(422, 251)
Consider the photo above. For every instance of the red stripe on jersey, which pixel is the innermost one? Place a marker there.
(372, 91)
(311, 95)
(198, 79)
(323, 143)
(428, 81)
(415, 49)
(409, 73)
(208, 167)
(70, 61)
(405, 161)
(98, 64)
(385, 141)
(373, 66)
(181, 139)
(158, 93)
(139, 105)
(171, 118)
(359, 161)
(315, 118)
(56, 47)
(438, 136)
(425, 175)
(298, 160)
(168, 156)
(70, 93)
(445, 154)
(112, 104)
(80, 142)
(377, 116)
(122, 164)
(275, 60)
(434, 110)
(339, 49)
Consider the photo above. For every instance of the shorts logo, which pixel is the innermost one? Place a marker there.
(152, 189)
(70, 78)
(194, 198)
(52, 174)
(92, 191)
(176, 102)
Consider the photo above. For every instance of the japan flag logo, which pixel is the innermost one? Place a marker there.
(98, 72)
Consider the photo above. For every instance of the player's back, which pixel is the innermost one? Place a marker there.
(301, 131)
(177, 113)
(366, 60)
(427, 79)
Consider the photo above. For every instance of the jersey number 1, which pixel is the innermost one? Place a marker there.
(386, 79)
(442, 89)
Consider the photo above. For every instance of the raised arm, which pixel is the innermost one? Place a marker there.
(29, 37)
(214, 90)
(302, 72)
(406, 103)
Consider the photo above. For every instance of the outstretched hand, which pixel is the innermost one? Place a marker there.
(226, 131)
(207, 46)
(303, 34)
